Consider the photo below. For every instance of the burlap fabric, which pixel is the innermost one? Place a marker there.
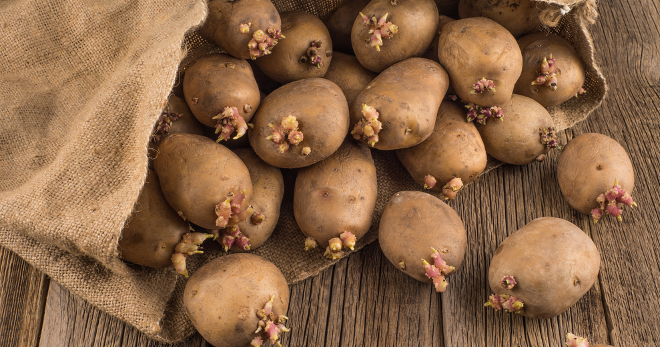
(83, 84)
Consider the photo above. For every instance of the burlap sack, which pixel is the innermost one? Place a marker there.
(83, 84)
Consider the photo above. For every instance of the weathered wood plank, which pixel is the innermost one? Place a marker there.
(22, 300)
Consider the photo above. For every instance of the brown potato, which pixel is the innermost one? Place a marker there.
(556, 87)
(407, 97)
(588, 166)
(478, 54)
(432, 52)
(267, 193)
(305, 53)
(337, 195)
(196, 175)
(223, 298)
(153, 229)
(454, 149)
(410, 25)
(185, 123)
(413, 224)
(320, 109)
(553, 263)
(517, 16)
(349, 75)
(340, 24)
(232, 24)
(516, 139)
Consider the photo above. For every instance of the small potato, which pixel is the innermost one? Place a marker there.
(226, 297)
(482, 58)
(548, 265)
(387, 32)
(197, 176)
(176, 118)
(592, 165)
(349, 75)
(454, 149)
(335, 198)
(552, 70)
(267, 193)
(306, 52)
(417, 228)
(340, 24)
(398, 108)
(239, 26)
(153, 230)
(519, 137)
(217, 103)
(517, 16)
(300, 123)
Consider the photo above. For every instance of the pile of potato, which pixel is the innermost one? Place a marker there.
(439, 91)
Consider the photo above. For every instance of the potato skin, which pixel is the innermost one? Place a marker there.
(588, 166)
(534, 48)
(267, 193)
(337, 194)
(454, 149)
(417, 21)
(153, 230)
(349, 75)
(207, 91)
(475, 48)
(284, 65)
(407, 96)
(225, 17)
(322, 112)
(412, 223)
(516, 138)
(340, 23)
(187, 123)
(517, 16)
(196, 174)
(553, 262)
(222, 297)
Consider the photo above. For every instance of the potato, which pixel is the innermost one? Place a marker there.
(267, 193)
(454, 149)
(549, 85)
(176, 118)
(334, 199)
(212, 101)
(244, 28)
(592, 165)
(198, 176)
(519, 137)
(482, 58)
(432, 52)
(153, 229)
(306, 52)
(417, 230)
(392, 31)
(398, 108)
(340, 24)
(548, 265)
(517, 16)
(349, 75)
(226, 297)
(314, 107)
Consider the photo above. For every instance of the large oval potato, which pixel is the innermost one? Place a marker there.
(412, 224)
(321, 112)
(516, 139)
(224, 296)
(517, 16)
(196, 175)
(153, 229)
(406, 97)
(337, 195)
(454, 149)
(349, 75)
(553, 263)
(410, 25)
(479, 54)
(588, 166)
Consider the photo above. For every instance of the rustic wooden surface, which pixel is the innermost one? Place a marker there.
(364, 301)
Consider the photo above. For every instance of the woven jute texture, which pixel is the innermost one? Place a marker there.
(83, 84)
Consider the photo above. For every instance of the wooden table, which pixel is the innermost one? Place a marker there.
(364, 301)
